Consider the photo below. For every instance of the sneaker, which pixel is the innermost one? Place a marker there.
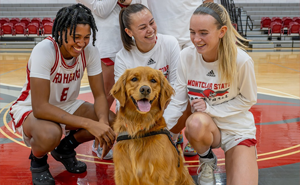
(206, 175)
(99, 151)
(179, 139)
(69, 161)
(189, 150)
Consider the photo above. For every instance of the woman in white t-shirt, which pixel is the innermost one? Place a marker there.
(218, 80)
(143, 46)
(48, 104)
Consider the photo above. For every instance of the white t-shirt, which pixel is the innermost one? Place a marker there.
(106, 15)
(173, 17)
(227, 104)
(65, 76)
(164, 56)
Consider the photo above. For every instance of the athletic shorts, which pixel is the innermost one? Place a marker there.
(229, 141)
(71, 108)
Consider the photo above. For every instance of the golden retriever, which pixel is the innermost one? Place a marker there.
(143, 158)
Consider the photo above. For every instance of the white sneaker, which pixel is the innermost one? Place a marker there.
(206, 176)
(98, 151)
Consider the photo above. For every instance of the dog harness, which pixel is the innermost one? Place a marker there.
(125, 136)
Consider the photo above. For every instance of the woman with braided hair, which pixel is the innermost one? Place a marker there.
(48, 106)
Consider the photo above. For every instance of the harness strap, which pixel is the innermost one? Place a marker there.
(125, 136)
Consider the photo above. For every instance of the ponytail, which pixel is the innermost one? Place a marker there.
(125, 22)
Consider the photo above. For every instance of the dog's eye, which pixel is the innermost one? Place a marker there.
(134, 79)
(153, 81)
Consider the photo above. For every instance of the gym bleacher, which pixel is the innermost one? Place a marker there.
(24, 25)
(275, 25)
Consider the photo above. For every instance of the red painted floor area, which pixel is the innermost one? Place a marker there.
(277, 123)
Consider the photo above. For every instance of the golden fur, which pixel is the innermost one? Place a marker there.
(146, 160)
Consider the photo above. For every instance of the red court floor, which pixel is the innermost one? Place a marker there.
(277, 119)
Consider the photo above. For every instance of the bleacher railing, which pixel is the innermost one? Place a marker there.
(235, 14)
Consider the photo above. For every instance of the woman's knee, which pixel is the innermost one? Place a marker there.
(196, 125)
(48, 137)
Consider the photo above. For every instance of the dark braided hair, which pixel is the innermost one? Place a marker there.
(69, 17)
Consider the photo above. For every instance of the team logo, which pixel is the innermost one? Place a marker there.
(207, 93)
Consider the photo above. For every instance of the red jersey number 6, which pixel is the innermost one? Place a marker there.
(64, 94)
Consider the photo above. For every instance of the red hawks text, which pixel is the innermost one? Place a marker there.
(67, 77)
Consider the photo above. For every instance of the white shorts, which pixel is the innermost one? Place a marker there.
(229, 141)
(71, 108)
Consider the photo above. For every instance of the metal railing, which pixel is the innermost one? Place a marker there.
(235, 14)
(248, 25)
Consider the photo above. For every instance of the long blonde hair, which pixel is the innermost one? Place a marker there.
(227, 51)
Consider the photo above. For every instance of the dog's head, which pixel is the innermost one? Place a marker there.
(142, 88)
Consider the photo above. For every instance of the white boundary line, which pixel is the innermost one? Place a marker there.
(288, 95)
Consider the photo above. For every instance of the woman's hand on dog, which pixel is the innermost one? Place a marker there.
(199, 105)
(103, 134)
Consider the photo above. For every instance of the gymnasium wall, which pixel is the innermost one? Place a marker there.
(73, 1)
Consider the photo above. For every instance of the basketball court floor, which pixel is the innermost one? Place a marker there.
(277, 119)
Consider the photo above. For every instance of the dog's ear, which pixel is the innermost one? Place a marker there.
(118, 90)
(166, 90)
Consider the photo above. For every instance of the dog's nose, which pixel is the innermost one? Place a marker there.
(145, 90)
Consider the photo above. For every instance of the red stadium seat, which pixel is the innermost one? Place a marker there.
(265, 22)
(0, 29)
(25, 20)
(234, 25)
(46, 20)
(36, 20)
(286, 21)
(33, 28)
(277, 19)
(7, 28)
(20, 28)
(296, 19)
(14, 20)
(275, 27)
(4, 20)
(47, 29)
(294, 27)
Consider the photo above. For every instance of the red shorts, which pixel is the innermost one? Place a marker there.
(248, 142)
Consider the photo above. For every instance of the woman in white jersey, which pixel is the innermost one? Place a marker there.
(48, 104)
(143, 46)
(218, 80)
(106, 15)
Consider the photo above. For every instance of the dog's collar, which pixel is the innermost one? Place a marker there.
(125, 136)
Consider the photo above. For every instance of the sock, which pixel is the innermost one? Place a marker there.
(207, 154)
(174, 137)
(67, 145)
(37, 162)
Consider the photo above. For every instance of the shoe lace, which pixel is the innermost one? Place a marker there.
(205, 165)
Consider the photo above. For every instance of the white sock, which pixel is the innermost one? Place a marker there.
(205, 153)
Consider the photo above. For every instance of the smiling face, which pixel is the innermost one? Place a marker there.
(206, 36)
(143, 28)
(82, 38)
(143, 88)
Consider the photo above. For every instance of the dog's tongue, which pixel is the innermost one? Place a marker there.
(144, 105)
